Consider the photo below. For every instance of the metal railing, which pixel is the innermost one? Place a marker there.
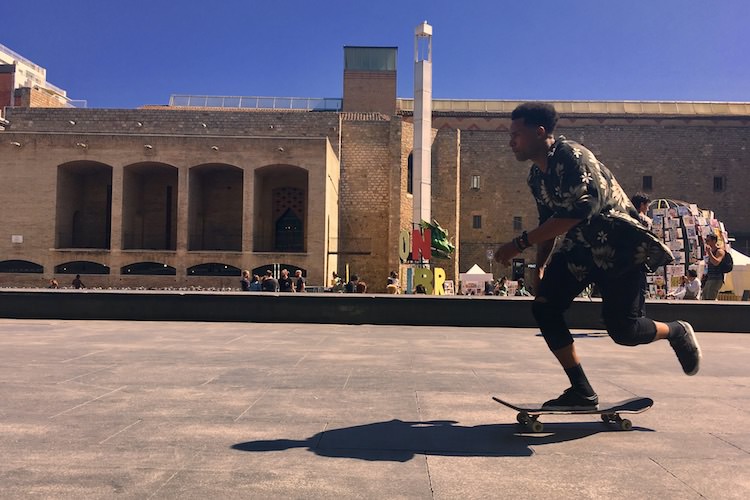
(19, 57)
(256, 102)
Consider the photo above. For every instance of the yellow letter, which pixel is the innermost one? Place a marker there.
(423, 276)
(404, 245)
(439, 280)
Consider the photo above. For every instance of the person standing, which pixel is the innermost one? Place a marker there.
(604, 243)
(245, 281)
(77, 283)
(299, 281)
(714, 275)
(270, 284)
(285, 282)
(641, 203)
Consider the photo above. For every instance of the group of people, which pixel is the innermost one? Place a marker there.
(269, 283)
(501, 288)
(354, 285)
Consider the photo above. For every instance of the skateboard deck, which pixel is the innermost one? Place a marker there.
(528, 415)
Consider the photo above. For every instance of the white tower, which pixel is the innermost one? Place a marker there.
(422, 153)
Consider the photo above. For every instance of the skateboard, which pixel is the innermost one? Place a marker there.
(528, 415)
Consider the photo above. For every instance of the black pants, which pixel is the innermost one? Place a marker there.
(622, 306)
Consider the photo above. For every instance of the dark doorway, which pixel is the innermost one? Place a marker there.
(289, 233)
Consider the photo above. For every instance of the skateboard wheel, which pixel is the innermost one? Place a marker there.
(626, 424)
(523, 418)
(536, 426)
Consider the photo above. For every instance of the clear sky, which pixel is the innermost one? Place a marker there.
(124, 54)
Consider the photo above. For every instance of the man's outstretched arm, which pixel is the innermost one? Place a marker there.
(543, 236)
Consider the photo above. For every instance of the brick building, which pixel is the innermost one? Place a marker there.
(24, 84)
(183, 195)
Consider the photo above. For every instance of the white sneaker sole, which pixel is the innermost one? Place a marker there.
(691, 333)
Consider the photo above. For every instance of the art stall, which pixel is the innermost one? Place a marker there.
(683, 227)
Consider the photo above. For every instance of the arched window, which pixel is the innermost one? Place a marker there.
(20, 266)
(213, 269)
(81, 267)
(148, 268)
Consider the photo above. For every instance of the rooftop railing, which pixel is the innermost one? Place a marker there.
(19, 57)
(256, 102)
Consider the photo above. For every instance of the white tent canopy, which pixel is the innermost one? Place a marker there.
(475, 269)
(739, 279)
(473, 280)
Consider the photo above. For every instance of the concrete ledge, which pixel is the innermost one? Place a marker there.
(341, 309)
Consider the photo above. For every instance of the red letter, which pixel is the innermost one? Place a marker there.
(421, 241)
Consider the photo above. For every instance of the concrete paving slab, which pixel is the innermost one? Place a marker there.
(553, 477)
(189, 410)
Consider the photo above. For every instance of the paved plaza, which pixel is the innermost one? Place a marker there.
(116, 409)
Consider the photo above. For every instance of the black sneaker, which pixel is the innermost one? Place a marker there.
(685, 345)
(572, 400)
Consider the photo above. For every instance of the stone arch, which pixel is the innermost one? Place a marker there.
(149, 206)
(281, 198)
(215, 203)
(83, 208)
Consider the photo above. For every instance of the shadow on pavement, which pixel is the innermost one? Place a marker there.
(400, 441)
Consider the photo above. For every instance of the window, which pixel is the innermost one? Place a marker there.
(517, 224)
(475, 179)
(718, 183)
(477, 222)
(410, 174)
(648, 183)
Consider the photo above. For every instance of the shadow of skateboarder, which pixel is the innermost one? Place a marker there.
(399, 441)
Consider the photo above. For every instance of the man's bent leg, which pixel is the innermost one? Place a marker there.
(621, 311)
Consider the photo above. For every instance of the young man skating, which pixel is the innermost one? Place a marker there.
(604, 243)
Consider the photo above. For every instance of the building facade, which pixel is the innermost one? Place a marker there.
(179, 196)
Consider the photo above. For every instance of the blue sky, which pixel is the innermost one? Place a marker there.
(129, 53)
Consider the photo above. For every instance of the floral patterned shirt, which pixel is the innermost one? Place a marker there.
(610, 237)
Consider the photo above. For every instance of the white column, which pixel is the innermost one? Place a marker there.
(422, 153)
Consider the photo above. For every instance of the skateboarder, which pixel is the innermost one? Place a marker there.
(604, 243)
